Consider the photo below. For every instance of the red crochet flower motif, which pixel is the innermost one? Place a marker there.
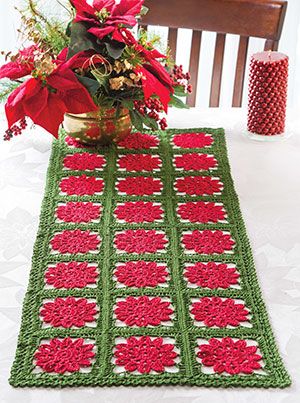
(84, 161)
(137, 141)
(227, 355)
(81, 185)
(71, 275)
(75, 241)
(68, 312)
(70, 141)
(201, 212)
(143, 354)
(141, 274)
(217, 312)
(140, 241)
(192, 140)
(139, 162)
(64, 355)
(78, 212)
(143, 311)
(198, 185)
(136, 212)
(194, 162)
(139, 186)
(212, 275)
(208, 242)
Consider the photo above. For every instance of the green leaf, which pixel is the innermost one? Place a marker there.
(118, 112)
(81, 39)
(149, 122)
(90, 84)
(136, 120)
(127, 103)
(6, 88)
(68, 29)
(115, 48)
(179, 91)
(177, 103)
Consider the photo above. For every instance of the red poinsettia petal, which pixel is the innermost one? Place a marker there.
(63, 79)
(15, 105)
(152, 85)
(13, 70)
(159, 71)
(100, 4)
(36, 102)
(83, 7)
(128, 7)
(79, 101)
(62, 56)
(14, 108)
(51, 116)
(81, 59)
(101, 32)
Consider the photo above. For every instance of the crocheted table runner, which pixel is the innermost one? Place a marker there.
(142, 271)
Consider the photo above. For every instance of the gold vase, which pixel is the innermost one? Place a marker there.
(101, 127)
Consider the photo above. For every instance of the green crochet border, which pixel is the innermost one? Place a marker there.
(183, 330)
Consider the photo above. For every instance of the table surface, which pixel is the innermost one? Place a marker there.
(267, 181)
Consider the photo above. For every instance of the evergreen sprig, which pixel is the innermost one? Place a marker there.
(6, 87)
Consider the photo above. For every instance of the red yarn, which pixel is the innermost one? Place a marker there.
(141, 274)
(81, 185)
(71, 275)
(84, 161)
(75, 241)
(212, 275)
(64, 355)
(139, 162)
(208, 242)
(139, 185)
(70, 141)
(78, 212)
(137, 212)
(68, 312)
(143, 311)
(192, 140)
(137, 141)
(198, 185)
(140, 241)
(202, 212)
(194, 162)
(144, 355)
(217, 312)
(227, 355)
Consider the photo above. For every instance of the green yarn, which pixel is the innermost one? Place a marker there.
(183, 329)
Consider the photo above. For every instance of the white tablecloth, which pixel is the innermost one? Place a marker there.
(267, 179)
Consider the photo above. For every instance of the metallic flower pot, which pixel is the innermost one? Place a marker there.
(101, 127)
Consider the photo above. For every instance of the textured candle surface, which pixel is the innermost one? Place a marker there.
(267, 93)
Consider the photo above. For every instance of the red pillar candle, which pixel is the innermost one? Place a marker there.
(267, 93)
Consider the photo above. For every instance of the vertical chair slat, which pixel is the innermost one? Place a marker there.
(240, 71)
(271, 45)
(217, 71)
(172, 41)
(194, 65)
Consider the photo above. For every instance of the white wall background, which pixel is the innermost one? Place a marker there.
(289, 44)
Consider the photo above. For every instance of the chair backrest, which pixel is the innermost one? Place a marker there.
(246, 18)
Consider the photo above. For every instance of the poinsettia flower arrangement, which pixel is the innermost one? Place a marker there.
(96, 63)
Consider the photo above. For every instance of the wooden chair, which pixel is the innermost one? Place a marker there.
(246, 18)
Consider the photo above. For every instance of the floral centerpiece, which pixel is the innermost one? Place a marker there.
(93, 65)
